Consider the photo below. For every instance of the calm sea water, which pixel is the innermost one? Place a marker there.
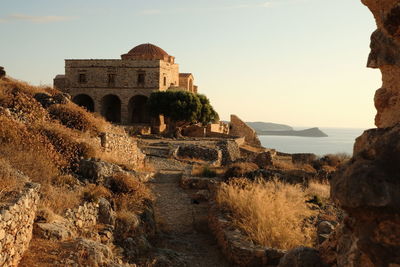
(339, 140)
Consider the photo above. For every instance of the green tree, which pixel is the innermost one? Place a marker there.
(182, 106)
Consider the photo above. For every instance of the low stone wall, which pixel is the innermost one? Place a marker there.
(125, 146)
(237, 249)
(195, 153)
(303, 158)
(16, 223)
(84, 216)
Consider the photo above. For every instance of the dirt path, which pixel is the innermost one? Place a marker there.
(183, 224)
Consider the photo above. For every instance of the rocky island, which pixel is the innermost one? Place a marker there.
(268, 128)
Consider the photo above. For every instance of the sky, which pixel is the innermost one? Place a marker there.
(298, 62)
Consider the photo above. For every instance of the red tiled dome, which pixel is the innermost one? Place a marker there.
(146, 52)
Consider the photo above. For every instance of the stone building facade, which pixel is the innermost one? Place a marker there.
(118, 89)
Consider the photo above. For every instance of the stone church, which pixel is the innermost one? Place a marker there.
(118, 89)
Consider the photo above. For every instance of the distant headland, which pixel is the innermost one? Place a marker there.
(268, 128)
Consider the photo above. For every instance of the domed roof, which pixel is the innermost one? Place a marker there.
(146, 52)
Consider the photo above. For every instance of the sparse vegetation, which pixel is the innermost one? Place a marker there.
(271, 213)
(47, 144)
(240, 169)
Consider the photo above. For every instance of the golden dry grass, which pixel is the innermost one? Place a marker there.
(94, 192)
(271, 213)
(75, 117)
(47, 145)
(320, 189)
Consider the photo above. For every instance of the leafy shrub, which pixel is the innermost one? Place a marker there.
(271, 213)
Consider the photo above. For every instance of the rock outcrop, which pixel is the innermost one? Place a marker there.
(2, 72)
(241, 129)
(368, 187)
(385, 55)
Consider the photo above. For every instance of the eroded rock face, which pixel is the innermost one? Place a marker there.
(385, 55)
(240, 128)
(368, 187)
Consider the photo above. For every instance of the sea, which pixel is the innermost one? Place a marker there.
(339, 140)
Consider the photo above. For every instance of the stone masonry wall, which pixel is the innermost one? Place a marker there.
(84, 216)
(241, 129)
(16, 223)
(125, 146)
(125, 71)
(236, 247)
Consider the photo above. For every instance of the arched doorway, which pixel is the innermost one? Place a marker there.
(111, 108)
(84, 101)
(137, 109)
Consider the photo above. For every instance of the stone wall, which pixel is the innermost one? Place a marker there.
(241, 129)
(84, 216)
(16, 224)
(195, 153)
(236, 247)
(220, 127)
(126, 147)
(126, 73)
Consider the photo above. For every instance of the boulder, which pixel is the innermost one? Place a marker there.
(52, 231)
(47, 100)
(324, 229)
(106, 213)
(97, 171)
(301, 257)
(368, 189)
(96, 254)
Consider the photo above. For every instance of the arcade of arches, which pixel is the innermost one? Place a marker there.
(112, 108)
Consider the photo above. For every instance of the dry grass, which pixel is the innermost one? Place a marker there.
(240, 169)
(126, 224)
(47, 145)
(94, 192)
(75, 117)
(271, 214)
(8, 181)
(58, 199)
(319, 189)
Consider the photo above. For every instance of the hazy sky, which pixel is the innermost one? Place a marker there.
(299, 62)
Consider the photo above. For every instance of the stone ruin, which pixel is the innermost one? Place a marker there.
(2, 72)
(368, 188)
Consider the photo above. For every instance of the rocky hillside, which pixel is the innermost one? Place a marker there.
(88, 176)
